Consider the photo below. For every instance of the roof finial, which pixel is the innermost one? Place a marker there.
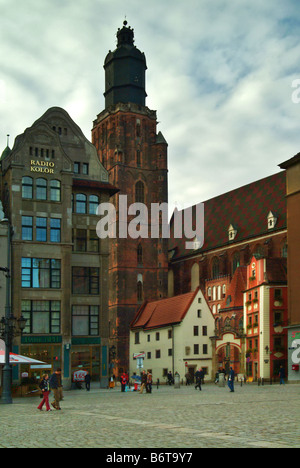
(7, 140)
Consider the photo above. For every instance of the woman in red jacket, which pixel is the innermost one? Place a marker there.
(45, 387)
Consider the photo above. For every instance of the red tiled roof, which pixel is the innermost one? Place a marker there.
(246, 208)
(234, 296)
(164, 312)
(276, 270)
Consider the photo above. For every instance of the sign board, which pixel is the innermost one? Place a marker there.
(139, 355)
(79, 376)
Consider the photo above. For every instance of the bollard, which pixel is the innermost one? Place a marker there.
(221, 380)
(177, 380)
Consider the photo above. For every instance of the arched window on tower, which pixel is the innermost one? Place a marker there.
(139, 192)
(235, 261)
(138, 158)
(215, 268)
(140, 254)
(140, 292)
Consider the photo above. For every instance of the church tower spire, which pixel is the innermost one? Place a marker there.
(125, 71)
(135, 156)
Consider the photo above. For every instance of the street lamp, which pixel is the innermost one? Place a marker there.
(10, 326)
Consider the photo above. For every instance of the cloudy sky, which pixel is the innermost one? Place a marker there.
(220, 75)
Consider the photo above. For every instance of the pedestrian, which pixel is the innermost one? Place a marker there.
(45, 387)
(282, 375)
(170, 378)
(55, 385)
(144, 381)
(87, 380)
(231, 380)
(149, 383)
(188, 378)
(124, 381)
(198, 380)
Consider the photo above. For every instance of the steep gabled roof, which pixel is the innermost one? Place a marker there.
(234, 296)
(246, 208)
(165, 312)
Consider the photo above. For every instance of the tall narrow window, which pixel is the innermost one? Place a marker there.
(93, 204)
(55, 190)
(27, 223)
(140, 291)
(41, 229)
(55, 230)
(41, 189)
(81, 240)
(27, 187)
(140, 254)
(139, 192)
(216, 268)
(80, 203)
(138, 158)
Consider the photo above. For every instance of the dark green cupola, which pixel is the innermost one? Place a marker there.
(5, 153)
(125, 71)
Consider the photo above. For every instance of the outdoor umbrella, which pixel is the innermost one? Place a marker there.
(18, 359)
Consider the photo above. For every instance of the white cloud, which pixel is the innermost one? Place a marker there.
(219, 75)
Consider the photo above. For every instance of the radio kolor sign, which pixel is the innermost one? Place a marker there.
(44, 167)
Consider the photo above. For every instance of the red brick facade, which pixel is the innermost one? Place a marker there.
(135, 156)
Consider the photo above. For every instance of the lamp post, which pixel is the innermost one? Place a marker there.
(10, 326)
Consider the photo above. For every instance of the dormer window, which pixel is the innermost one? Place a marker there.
(232, 232)
(272, 220)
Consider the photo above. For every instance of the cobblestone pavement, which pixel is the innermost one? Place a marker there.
(252, 417)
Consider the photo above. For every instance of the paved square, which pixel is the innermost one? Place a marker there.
(183, 418)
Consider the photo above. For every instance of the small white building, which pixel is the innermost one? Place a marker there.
(173, 335)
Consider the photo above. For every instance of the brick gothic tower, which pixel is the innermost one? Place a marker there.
(135, 155)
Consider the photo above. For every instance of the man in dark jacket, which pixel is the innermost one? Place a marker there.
(87, 380)
(198, 376)
(55, 382)
(231, 380)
